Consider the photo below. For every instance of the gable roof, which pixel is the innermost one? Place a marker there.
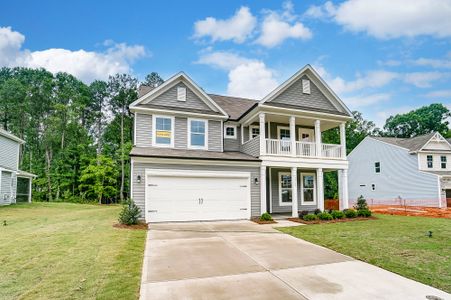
(11, 136)
(318, 81)
(234, 106)
(412, 144)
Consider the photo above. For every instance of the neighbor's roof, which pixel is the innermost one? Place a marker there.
(413, 144)
(235, 107)
(25, 174)
(11, 136)
(190, 154)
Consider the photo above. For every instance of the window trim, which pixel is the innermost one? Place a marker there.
(282, 127)
(431, 161)
(250, 131)
(279, 174)
(314, 189)
(234, 131)
(375, 167)
(154, 131)
(205, 146)
(443, 162)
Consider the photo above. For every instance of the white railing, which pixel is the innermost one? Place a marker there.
(303, 149)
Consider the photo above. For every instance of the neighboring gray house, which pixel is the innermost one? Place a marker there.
(10, 175)
(200, 156)
(415, 171)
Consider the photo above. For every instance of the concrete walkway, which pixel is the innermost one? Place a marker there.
(243, 260)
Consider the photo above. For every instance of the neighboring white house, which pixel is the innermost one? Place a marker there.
(200, 156)
(10, 175)
(415, 171)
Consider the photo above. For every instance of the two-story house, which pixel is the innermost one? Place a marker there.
(414, 171)
(10, 175)
(200, 156)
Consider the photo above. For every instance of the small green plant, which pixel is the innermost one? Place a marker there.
(364, 213)
(129, 214)
(350, 213)
(361, 203)
(265, 217)
(310, 217)
(325, 216)
(303, 213)
(336, 214)
(317, 211)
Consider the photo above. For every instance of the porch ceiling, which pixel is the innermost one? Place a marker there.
(301, 121)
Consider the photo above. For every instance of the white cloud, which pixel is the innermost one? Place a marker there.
(366, 100)
(389, 63)
(279, 26)
(422, 79)
(440, 94)
(85, 65)
(372, 79)
(444, 63)
(387, 19)
(222, 60)
(321, 11)
(237, 28)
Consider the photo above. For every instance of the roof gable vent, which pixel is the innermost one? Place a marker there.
(306, 86)
(181, 93)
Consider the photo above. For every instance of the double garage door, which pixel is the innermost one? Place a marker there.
(180, 195)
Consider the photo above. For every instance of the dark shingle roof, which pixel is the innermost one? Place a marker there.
(190, 154)
(235, 107)
(413, 144)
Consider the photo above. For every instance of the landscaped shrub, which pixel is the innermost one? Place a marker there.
(317, 211)
(325, 216)
(336, 214)
(364, 213)
(265, 217)
(361, 203)
(350, 213)
(310, 217)
(129, 214)
(303, 213)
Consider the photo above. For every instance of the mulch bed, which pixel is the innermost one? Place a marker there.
(331, 221)
(258, 221)
(417, 211)
(140, 226)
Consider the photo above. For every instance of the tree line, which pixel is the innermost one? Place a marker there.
(78, 136)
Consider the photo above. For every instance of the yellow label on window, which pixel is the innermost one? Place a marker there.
(163, 134)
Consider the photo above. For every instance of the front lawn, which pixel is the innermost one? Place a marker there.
(396, 243)
(68, 251)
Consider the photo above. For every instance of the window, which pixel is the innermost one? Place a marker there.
(163, 131)
(373, 187)
(284, 136)
(443, 162)
(197, 133)
(181, 93)
(285, 190)
(429, 161)
(306, 86)
(254, 130)
(308, 188)
(230, 132)
(377, 167)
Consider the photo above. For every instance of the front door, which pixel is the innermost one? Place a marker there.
(308, 188)
(448, 198)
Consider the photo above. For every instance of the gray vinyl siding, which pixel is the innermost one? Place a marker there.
(214, 135)
(169, 98)
(9, 151)
(139, 188)
(233, 144)
(399, 174)
(274, 192)
(251, 147)
(294, 96)
(181, 133)
(143, 130)
(5, 188)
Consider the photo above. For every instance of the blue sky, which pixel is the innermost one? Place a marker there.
(381, 57)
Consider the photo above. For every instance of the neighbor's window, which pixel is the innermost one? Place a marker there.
(163, 131)
(377, 167)
(373, 187)
(230, 132)
(198, 129)
(443, 162)
(285, 190)
(255, 131)
(429, 161)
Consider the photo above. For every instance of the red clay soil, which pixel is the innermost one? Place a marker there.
(140, 226)
(420, 211)
(331, 204)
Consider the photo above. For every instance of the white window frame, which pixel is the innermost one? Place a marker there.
(279, 174)
(234, 131)
(314, 189)
(154, 131)
(205, 146)
(250, 130)
(432, 161)
(181, 93)
(278, 131)
(375, 168)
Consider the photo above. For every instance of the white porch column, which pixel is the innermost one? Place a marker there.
(343, 139)
(242, 134)
(344, 189)
(262, 134)
(263, 207)
(340, 189)
(294, 192)
(29, 189)
(320, 188)
(293, 135)
(318, 138)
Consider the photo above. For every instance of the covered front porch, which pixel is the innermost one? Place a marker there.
(288, 190)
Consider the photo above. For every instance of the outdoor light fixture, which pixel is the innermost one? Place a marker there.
(138, 179)
(256, 180)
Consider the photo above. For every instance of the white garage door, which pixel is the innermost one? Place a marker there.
(197, 195)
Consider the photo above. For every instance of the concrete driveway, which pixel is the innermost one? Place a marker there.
(243, 260)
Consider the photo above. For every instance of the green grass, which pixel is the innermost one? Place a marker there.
(395, 243)
(68, 251)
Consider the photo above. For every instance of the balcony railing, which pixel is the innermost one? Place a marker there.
(303, 149)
